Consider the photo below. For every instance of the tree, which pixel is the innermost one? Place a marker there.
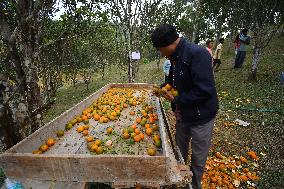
(131, 17)
(34, 49)
(20, 25)
(264, 18)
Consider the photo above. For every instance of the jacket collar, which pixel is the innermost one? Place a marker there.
(176, 53)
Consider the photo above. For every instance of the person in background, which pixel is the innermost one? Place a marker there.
(191, 74)
(166, 68)
(209, 46)
(217, 55)
(237, 44)
(244, 40)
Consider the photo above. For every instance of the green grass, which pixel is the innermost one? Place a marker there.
(265, 134)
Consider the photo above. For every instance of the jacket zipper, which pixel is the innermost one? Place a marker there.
(198, 111)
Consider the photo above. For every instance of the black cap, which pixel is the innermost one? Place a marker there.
(164, 35)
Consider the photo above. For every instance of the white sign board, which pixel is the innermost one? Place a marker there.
(135, 55)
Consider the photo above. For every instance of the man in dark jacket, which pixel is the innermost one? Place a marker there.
(196, 104)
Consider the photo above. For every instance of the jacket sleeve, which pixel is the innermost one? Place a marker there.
(202, 79)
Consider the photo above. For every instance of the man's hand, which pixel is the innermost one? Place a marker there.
(157, 91)
(167, 95)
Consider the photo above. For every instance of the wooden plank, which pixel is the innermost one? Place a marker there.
(85, 168)
(177, 173)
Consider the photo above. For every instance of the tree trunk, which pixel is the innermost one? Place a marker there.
(130, 63)
(255, 61)
(159, 61)
(22, 102)
(193, 33)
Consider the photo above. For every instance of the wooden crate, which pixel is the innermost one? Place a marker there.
(73, 164)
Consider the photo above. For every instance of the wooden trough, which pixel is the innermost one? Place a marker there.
(72, 164)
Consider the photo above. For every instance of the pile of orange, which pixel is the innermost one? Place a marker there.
(96, 146)
(230, 172)
(108, 108)
(166, 88)
(45, 147)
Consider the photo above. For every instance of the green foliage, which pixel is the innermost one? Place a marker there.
(145, 61)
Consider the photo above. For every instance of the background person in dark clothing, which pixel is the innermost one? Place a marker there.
(244, 40)
(196, 106)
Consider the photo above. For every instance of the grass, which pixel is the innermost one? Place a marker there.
(265, 134)
(245, 100)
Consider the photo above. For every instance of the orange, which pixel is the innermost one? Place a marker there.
(84, 112)
(98, 142)
(149, 131)
(99, 150)
(144, 114)
(84, 117)
(86, 127)
(168, 87)
(50, 142)
(109, 130)
(132, 113)
(125, 105)
(245, 170)
(125, 135)
(151, 120)
(85, 132)
(137, 131)
(89, 115)
(60, 133)
(112, 118)
(137, 138)
(96, 117)
(151, 151)
(156, 137)
(105, 120)
(142, 136)
(133, 126)
(113, 114)
(89, 138)
(102, 119)
(213, 179)
(94, 147)
(218, 155)
(252, 155)
(79, 119)
(174, 92)
(80, 129)
(147, 126)
(138, 120)
(43, 148)
(243, 159)
(243, 178)
(158, 143)
(155, 127)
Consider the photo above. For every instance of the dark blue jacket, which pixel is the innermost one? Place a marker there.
(191, 74)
